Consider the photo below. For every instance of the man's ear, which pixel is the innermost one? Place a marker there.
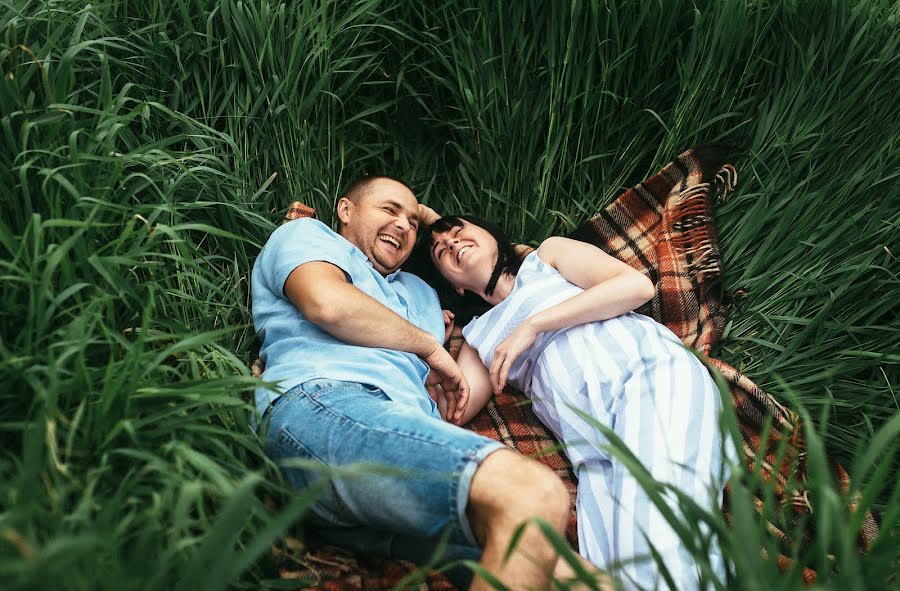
(344, 206)
(460, 291)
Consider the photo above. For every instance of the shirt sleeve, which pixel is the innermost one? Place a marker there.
(298, 242)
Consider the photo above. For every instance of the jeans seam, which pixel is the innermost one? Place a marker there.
(281, 402)
(453, 507)
(293, 442)
(283, 433)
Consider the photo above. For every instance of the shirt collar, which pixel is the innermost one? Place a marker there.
(390, 277)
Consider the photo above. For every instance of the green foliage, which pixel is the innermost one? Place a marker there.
(148, 147)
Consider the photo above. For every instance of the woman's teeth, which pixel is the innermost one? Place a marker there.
(460, 253)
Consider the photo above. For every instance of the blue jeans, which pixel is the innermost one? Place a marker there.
(402, 510)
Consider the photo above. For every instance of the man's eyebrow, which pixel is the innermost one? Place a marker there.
(399, 206)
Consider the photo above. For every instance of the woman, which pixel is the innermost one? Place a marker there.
(559, 325)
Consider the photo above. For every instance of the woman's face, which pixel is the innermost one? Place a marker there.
(465, 255)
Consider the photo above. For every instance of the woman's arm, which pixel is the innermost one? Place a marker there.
(479, 383)
(611, 288)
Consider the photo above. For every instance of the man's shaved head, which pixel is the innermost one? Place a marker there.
(362, 186)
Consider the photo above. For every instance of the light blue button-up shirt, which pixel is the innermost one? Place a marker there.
(295, 350)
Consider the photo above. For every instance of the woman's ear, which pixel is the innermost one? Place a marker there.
(460, 291)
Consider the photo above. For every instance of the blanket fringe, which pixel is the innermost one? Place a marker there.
(725, 182)
(692, 218)
(692, 231)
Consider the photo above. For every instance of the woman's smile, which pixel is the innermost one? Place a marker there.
(461, 252)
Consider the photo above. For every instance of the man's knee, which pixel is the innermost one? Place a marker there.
(509, 488)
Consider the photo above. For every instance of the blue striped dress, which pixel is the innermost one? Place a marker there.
(634, 376)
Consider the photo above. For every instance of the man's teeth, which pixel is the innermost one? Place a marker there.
(390, 240)
(460, 253)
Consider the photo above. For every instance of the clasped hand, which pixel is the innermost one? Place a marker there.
(446, 385)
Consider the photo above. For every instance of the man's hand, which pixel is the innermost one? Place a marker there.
(446, 401)
(446, 380)
(433, 386)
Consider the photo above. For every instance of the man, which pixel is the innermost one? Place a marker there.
(351, 339)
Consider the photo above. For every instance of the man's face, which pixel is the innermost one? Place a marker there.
(382, 224)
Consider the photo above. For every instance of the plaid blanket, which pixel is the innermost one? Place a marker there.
(663, 227)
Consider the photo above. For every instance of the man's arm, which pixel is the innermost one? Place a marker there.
(427, 216)
(321, 291)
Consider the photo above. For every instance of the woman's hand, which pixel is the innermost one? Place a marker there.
(449, 318)
(508, 351)
(427, 216)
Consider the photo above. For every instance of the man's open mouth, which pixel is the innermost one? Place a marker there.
(390, 240)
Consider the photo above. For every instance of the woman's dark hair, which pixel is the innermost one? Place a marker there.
(468, 305)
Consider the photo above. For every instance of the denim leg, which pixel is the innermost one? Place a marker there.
(393, 469)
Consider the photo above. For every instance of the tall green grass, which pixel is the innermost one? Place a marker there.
(148, 148)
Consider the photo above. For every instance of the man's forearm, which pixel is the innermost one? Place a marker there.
(323, 294)
(358, 319)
